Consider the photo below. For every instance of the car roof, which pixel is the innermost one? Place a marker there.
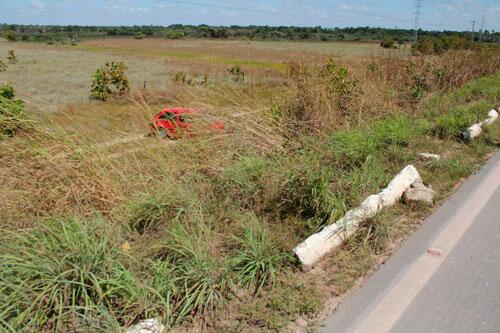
(176, 110)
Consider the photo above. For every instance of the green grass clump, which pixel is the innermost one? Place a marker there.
(486, 88)
(305, 188)
(357, 183)
(189, 275)
(352, 147)
(244, 180)
(257, 260)
(63, 275)
(149, 210)
(453, 124)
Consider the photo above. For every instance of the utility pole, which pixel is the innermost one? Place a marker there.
(473, 29)
(418, 10)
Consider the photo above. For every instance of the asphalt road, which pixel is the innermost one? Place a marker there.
(454, 288)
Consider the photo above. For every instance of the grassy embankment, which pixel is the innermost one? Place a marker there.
(105, 228)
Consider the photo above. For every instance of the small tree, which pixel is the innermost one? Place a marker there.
(110, 80)
(339, 83)
(11, 56)
(238, 74)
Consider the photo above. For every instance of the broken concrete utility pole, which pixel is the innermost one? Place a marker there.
(476, 129)
(316, 246)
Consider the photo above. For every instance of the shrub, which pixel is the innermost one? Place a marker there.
(238, 74)
(7, 92)
(338, 79)
(321, 97)
(65, 275)
(3, 66)
(180, 77)
(11, 56)
(10, 35)
(110, 80)
(388, 43)
(12, 115)
(418, 81)
(139, 35)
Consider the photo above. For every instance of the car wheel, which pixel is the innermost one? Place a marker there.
(162, 133)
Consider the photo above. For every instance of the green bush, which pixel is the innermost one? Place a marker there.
(110, 80)
(10, 35)
(12, 115)
(388, 43)
(7, 92)
(139, 35)
(340, 84)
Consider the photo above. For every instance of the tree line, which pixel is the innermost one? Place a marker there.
(73, 33)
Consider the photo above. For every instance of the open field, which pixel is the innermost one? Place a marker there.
(50, 76)
(105, 226)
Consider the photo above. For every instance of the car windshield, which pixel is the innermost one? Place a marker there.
(168, 116)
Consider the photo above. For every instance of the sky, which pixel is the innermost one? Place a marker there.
(436, 14)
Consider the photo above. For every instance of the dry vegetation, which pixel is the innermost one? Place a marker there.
(106, 226)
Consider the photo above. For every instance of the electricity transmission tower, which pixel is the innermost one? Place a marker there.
(418, 11)
(482, 27)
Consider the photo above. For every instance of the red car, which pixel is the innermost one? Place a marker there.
(171, 123)
(175, 122)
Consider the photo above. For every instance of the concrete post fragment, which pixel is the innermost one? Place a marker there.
(316, 246)
(147, 326)
(476, 129)
(492, 116)
(419, 192)
(430, 156)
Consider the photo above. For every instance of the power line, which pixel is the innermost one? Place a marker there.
(275, 13)
(251, 10)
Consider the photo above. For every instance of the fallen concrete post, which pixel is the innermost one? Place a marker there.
(147, 326)
(316, 246)
(476, 129)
